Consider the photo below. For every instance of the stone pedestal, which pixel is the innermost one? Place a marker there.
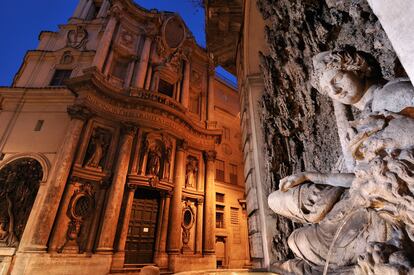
(116, 191)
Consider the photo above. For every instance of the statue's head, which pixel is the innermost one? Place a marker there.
(343, 75)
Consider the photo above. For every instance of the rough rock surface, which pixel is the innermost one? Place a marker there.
(299, 124)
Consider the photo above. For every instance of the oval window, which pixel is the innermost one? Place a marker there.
(188, 218)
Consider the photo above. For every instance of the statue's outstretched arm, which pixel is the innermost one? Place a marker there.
(332, 179)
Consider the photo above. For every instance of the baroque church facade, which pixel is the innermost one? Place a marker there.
(120, 147)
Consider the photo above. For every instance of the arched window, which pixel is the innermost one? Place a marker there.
(19, 183)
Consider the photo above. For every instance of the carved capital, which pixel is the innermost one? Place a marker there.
(182, 145)
(128, 129)
(79, 112)
(200, 201)
(210, 155)
(131, 187)
(115, 11)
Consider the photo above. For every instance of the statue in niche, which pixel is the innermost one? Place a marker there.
(191, 172)
(360, 222)
(167, 157)
(97, 148)
(19, 182)
(154, 160)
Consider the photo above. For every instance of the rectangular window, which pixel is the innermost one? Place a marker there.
(59, 77)
(219, 170)
(219, 197)
(219, 216)
(39, 125)
(226, 133)
(120, 68)
(165, 88)
(233, 174)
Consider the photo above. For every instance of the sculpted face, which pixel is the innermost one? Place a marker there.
(344, 86)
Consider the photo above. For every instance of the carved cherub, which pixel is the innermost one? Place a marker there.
(347, 212)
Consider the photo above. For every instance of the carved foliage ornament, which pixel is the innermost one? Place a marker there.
(188, 220)
(81, 207)
(19, 183)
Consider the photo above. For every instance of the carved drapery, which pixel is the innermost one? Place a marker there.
(98, 148)
(191, 173)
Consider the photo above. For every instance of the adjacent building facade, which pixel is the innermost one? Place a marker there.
(119, 148)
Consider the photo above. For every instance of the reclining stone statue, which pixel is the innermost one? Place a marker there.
(360, 222)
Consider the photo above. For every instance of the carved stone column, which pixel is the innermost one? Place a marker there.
(141, 72)
(104, 43)
(161, 258)
(116, 191)
(155, 79)
(79, 8)
(104, 9)
(210, 204)
(210, 95)
(185, 94)
(174, 226)
(42, 217)
(86, 9)
(199, 227)
(100, 195)
(119, 257)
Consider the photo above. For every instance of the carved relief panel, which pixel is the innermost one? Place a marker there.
(80, 212)
(187, 225)
(19, 183)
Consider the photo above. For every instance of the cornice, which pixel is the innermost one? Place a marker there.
(149, 108)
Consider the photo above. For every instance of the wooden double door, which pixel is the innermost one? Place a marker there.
(140, 245)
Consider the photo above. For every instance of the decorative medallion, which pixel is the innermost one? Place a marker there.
(77, 38)
(188, 220)
(174, 32)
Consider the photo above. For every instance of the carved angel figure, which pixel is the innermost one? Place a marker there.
(360, 222)
(100, 145)
(154, 160)
(191, 172)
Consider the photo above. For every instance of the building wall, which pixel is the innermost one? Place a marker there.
(90, 106)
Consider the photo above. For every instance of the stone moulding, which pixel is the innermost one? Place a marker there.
(146, 109)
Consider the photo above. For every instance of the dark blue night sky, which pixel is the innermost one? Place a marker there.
(23, 20)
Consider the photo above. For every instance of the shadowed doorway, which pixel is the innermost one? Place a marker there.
(142, 227)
